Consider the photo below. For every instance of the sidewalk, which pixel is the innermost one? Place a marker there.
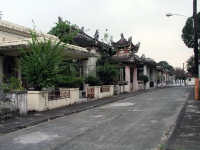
(34, 118)
(186, 135)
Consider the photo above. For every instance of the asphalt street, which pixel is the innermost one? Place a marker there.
(141, 122)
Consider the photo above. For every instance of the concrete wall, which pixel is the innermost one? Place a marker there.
(38, 100)
(190, 81)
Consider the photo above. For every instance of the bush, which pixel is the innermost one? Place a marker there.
(71, 82)
(144, 78)
(107, 73)
(92, 80)
(11, 84)
(39, 66)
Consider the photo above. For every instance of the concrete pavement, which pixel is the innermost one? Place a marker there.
(136, 123)
(186, 135)
(34, 118)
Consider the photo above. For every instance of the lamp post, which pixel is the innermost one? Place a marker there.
(195, 47)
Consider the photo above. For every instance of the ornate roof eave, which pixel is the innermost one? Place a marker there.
(84, 40)
(131, 58)
(150, 63)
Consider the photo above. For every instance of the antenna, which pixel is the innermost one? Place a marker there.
(0, 15)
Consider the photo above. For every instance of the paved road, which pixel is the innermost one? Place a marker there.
(138, 123)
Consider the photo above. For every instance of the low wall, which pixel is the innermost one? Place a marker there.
(97, 92)
(42, 100)
(107, 91)
(140, 85)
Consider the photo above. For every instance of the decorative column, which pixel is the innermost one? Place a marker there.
(127, 78)
(135, 84)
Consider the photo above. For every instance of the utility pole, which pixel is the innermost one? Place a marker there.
(196, 50)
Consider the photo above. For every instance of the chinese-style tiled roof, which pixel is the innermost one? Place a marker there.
(84, 40)
(131, 57)
(123, 43)
(148, 61)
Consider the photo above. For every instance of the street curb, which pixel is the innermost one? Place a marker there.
(23, 126)
(180, 117)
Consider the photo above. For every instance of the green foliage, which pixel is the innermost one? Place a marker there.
(144, 78)
(190, 65)
(180, 73)
(159, 77)
(188, 31)
(10, 84)
(166, 66)
(92, 80)
(107, 51)
(64, 31)
(39, 63)
(69, 77)
(107, 73)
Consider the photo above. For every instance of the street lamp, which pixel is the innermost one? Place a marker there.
(195, 46)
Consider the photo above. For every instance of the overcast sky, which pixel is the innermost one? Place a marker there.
(144, 20)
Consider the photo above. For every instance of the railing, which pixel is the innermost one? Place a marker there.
(90, 92)
(57, 94)
(105, 89)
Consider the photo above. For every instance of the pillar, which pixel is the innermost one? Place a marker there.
(135, 84)
(127, 78)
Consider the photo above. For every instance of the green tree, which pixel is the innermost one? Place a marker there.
(166, 66)
(190, 65)
(69, 74)
(107, 73)
(106, 51)
(188, 31)
(179, 73)
(39, 65)
(64, 31)
(144, 78)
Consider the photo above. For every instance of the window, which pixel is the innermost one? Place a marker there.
(189, 79)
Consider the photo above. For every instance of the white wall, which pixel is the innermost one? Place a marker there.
(190, 81)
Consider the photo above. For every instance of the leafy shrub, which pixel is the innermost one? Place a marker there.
(107, 73)
(11, 84)
(71, 82)
(92, 80)
(39, 65)
(144, 78)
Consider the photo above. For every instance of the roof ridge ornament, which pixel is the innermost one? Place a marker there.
(0, 15)
(143, 56)
(82, 28)
(96, 35)
(122, 36)
(130, 39)
(138, 44)
(111, 39)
